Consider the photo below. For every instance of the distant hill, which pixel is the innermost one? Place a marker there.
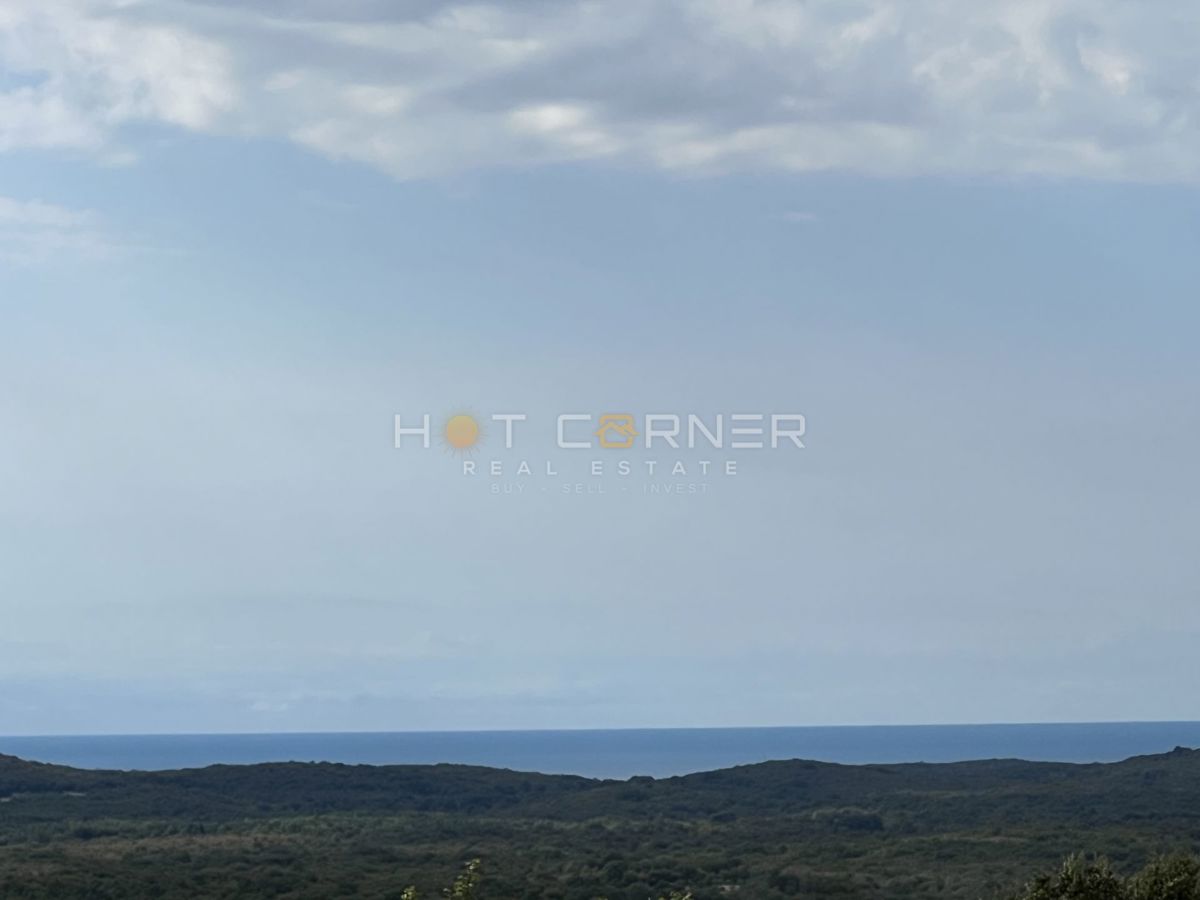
(776, 829)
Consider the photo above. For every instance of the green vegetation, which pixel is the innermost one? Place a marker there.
(767, 832)
(1165, 878)
(463, 888)
(465, 884)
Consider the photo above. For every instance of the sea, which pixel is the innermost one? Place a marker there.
(621, 753)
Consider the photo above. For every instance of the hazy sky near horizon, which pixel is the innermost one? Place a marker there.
(237, 239)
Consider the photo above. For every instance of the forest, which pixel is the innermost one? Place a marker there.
(999, 828)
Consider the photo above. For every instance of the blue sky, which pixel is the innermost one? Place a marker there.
(234, 243)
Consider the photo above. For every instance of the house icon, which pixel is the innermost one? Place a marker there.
(616, 431)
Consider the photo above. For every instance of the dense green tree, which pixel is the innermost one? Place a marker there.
(1166, 878)
(1078, 879)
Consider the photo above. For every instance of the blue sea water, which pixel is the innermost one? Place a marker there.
(623, 753)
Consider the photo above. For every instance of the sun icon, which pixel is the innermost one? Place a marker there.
(462, 433)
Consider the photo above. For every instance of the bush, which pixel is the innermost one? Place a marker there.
(1166, 878)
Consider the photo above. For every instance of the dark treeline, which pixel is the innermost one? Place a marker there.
(775, 830)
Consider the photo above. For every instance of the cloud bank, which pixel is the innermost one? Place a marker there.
(1098, 89)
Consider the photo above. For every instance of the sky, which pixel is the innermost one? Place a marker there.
(238, 240)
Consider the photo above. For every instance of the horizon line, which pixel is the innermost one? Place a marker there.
(589, 729)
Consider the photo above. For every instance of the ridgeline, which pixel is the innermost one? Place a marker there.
(773, 830)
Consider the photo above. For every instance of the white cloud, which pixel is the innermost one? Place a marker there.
(1099, 89)
(78, 71)
(32, 232)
